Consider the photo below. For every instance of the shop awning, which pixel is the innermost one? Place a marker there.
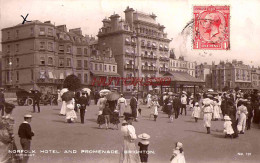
(182, 77)
(104, 74)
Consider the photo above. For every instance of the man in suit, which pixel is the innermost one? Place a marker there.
(176, 106)
(25, 133)
(36, 100)
(133, 105)
(83, 102)
(2, 101)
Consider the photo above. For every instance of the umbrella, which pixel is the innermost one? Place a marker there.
(86, 90)
(67, 96)
(104, 92)
(113, 96)
(63, 91)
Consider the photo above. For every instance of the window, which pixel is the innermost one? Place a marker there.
(79, 51)
(17, 34)
(50, 61)
(8, 35)
(79, 65)
(42, 45)
(100, 67)
(17, 75)
(42, 60)
(68, 49)
(42, 31)
(32, 74)
(91, 66)
(61, 62)
(50, 46)
(8, 76)
(50, 31)
(105, 67)
(85, 51)
(17, 47)
(68, 62)
(109, 68)
(96, 66)
(61, 48)
(32, 31)
(85, 64)
(85, 78)
(114, 68)
(8, 49)
(80, 77)
(17, 62)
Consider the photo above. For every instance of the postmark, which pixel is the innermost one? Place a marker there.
(211, 29)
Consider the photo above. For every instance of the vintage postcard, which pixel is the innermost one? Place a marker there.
(129, 81)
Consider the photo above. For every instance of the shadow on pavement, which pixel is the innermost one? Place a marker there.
(197, 131)
(61, 121)
(218, 136)
(92, 120)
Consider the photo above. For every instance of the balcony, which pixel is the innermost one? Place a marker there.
(59, 81)
(149, 46)
(166, 48)
(145, 68)
(148, 68)
(164, 58)
(163, 69)
(79, 67)
(143, 45)
(154, 46)
(129, 66)
(44, 80)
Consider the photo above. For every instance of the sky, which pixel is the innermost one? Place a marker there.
(173, 14)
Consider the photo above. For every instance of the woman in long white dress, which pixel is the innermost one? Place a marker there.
(129, 152)
(178, 154)
(63, 106)
(216, 110)
(149, 100)
(70, 112)
(155, 106)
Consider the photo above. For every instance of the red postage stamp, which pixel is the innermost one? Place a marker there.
(211, 29)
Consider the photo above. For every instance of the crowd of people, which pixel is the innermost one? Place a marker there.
(234, 108)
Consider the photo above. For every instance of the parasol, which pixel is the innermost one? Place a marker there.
(86, 90)
(113, 96)
(67, 96)
(104, 92)
(63, 91)
(210, 90)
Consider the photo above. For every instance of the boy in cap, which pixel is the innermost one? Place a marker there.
(25, 133)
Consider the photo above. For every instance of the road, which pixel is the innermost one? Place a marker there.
(53, 137)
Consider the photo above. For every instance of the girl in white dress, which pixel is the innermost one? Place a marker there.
(228, 130)
(155, 105)
(196, 112)
(178, 154)
(216, 110)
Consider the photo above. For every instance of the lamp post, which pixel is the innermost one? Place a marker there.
(134, 45)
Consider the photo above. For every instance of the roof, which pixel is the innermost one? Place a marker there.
(96, 73)
(182, 77)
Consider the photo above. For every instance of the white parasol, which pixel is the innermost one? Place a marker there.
(86, 90)
(63, 91)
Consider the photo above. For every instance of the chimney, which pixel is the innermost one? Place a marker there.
(77, 31)
(63, 28)
(106, 22)
(114, 21)
(129, 16)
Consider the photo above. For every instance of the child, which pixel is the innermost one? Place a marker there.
(100, 119)
(140, 111)
(228, 130)
(178, 154)
(106, 113)
(143, 144)
(196, 112)
(115, 118)
(155, 105)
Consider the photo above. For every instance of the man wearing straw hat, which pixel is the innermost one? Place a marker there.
(25, 133)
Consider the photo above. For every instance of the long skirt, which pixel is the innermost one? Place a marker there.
(216, 112)
(63, 108)
(121, 109)
(129, 153)
(207, 119)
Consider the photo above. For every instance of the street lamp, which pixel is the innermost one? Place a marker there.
(134, 45)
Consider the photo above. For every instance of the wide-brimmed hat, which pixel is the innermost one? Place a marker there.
(165, 93)
(28, 116)
(184, 92)
(226, 117)
(124, 122)
(196, 103)
(144, 136)
(179, 145)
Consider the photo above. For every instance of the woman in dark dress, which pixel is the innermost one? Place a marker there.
(231, 112)
(143, 144)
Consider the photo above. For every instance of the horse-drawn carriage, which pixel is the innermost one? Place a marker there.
(26, 98)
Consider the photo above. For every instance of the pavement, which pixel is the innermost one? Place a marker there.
(56, 141)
